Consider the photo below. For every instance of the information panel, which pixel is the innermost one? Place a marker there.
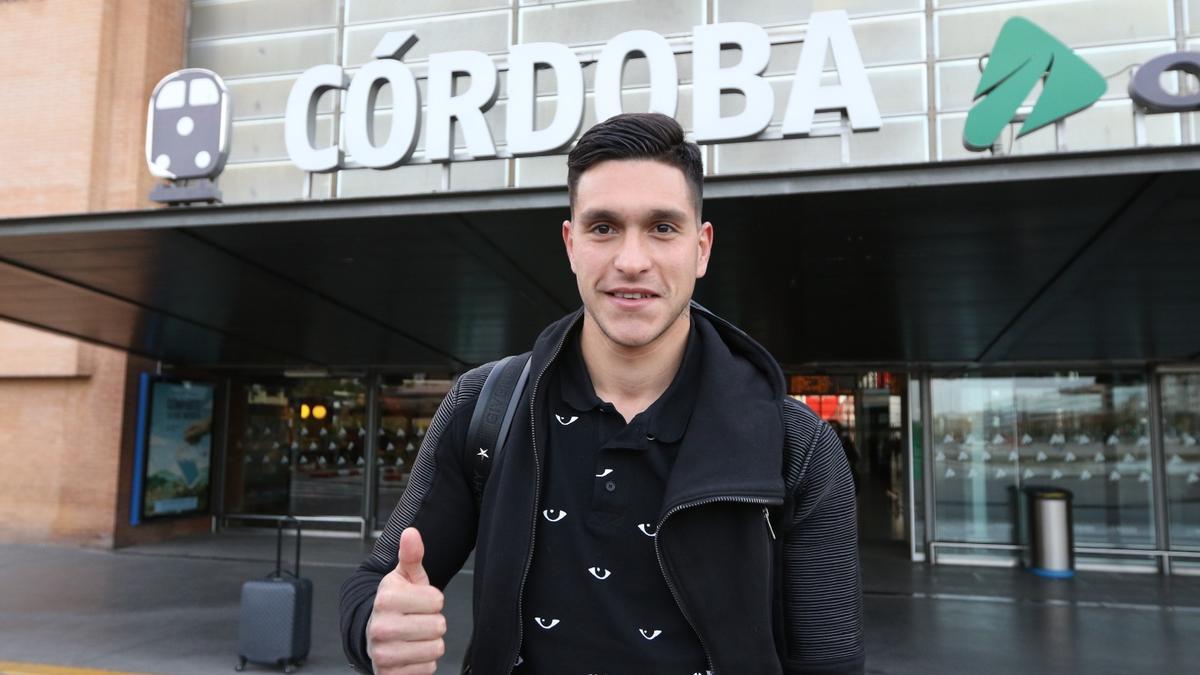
(174, 448)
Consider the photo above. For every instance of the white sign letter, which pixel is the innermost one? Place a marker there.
(406, 106)
(523, 136)
(467, 107)
(853, 94)
(710, 79)
(664, 79)
(300, 119)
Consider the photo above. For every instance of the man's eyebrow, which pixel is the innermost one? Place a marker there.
(655, 215)
(672, 215)
(592, 215)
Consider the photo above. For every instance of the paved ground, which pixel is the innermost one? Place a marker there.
(172, 608)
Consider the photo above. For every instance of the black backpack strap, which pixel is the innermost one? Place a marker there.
(493, 415)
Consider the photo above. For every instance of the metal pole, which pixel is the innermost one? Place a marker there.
(912, 405)
(1158, 471)
(370, 449)
(927, 458)
(910, 488)
(221, 455)
(1139, 127)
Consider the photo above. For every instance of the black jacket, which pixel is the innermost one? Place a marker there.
(757, 606)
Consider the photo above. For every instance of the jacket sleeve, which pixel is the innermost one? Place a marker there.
(438, 501)
(823, 602)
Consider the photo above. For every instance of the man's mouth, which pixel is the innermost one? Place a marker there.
(631, 296)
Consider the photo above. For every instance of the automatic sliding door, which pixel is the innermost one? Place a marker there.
(297, 447)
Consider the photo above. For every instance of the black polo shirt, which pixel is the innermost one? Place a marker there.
(595, 598)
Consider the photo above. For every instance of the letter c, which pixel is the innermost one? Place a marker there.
(1146, 90)
(300, 119)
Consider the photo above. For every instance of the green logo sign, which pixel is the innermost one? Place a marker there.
(1022, 55)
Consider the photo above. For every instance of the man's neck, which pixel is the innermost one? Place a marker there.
(632, 378)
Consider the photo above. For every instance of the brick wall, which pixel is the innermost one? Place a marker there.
(61, 406)
(77, 77)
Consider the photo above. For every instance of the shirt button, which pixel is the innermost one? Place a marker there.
(649, 437)
(611, 486)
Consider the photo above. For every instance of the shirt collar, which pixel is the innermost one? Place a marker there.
(667, 418)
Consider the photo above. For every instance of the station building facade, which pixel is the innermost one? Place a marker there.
(977, 320)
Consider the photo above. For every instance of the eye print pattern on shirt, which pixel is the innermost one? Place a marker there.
(645, 529)
(564, 420)
(547, 623)
(554, 515)
(649, 634)
(600, 573)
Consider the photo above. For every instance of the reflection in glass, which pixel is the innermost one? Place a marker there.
(1086, 433)
(296, 447)
(406, 406)
(1181, 431)
(917, 486)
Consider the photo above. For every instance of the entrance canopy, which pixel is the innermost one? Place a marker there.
(1061, 258)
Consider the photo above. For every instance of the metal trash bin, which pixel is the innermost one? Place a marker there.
(1051, 532)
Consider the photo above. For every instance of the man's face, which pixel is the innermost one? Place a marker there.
(636, 247)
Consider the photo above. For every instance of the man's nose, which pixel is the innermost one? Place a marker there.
(632, 257)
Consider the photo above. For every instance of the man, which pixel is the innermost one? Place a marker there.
(629, 524)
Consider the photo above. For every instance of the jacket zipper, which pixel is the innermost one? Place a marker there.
(663, 568)
(537, 490)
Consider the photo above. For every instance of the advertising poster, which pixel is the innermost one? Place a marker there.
(178, 448)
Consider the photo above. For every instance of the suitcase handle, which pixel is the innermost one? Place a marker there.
(279, 545)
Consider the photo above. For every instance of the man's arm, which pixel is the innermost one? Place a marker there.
(438, 501)
(823, 611)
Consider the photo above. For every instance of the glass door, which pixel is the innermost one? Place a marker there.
(1181, 461)
(297, 447)
(407, 405)
(866, 409)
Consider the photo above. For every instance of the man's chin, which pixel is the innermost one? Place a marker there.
(628, 332)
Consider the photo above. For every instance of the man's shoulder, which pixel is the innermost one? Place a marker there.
(467, 387)
(801, 424)
(808, 440)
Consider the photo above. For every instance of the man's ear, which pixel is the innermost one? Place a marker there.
(705, 243)
(569, 243)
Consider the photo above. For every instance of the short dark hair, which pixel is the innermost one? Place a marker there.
(638, 136)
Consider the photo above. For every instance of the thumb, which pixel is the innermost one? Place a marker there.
(412, 550)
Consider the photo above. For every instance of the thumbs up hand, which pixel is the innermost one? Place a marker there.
(404, 633)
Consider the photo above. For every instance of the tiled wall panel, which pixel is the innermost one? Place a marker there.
(269, 55)
(1109, 124)
(541, 171)
(585, 22)
(487, 174)
(262, 140)
(486, 32)
(403, 180)
(798, 11)
(972, 31)
(268, 182)
(359, 11)
(881, 41)
(900, 141)
(783, 155)
(255, 98)
(246, 17)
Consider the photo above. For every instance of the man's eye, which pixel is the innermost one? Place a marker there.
(602, 228)
(664, 228)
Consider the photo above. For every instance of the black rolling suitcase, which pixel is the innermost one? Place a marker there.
(276, 619)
